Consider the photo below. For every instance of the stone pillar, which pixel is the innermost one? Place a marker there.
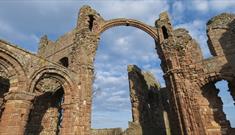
(83, 63)
(71, 123)
(135, 89)
(16, 113)
(67, 122)
(86, 102)
(50, 122)
(146, 101)
(170, 63)
(174, 47)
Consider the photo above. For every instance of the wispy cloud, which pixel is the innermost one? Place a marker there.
(8, 32)
(24, 22)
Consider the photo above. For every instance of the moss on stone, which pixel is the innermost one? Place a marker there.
(131, 68)
(222, 19)
(150, 80)
(148, 77)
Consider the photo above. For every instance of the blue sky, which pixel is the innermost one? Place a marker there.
(24, 22)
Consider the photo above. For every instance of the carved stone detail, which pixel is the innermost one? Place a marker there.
(189, 100)
(48, 85)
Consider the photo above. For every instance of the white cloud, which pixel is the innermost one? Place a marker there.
(22, 22)
(178, 8)
(118, 93)
(117, 99)
(8, 32)
(211, 5)
(102, 119)
(221, 5)
(200, 5)
(141, 10)
(121, 44)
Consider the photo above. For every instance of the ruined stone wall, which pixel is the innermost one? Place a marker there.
(188, 105)
(147, 102)
(55, 50)
(26, 77)
(199, 77)
(220, 34)
(189, 72)
(133, 129)
(221, 41)
(46, 115)
(109, 131)
(179, 69)
(215, 119)
(220, 30)
(149, 106)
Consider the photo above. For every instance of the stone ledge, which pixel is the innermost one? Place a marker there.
(19, 96)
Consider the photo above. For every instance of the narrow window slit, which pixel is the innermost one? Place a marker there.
(165, 32)
(91, 21)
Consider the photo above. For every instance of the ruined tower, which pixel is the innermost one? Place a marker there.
(37, 89)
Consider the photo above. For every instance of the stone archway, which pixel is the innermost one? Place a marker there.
(129, 123)
(98, 27)
(185, 73)
(46, 115)
(90, 25)
(152, 31)
(55, 99)
(4, 84)
(13, 93)
(211, 111)
(12, 69)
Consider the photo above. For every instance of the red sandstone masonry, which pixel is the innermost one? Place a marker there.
(194, 107)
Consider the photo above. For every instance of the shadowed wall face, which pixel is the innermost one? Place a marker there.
(4, 87)
(215, 119)
(46, 115)
(146, 101)
(194, 106)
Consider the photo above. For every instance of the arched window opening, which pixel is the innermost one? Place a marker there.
(165, 32)
(4, 88)
(64, 62)
(228, 102)
(218, 109)
(47, 114)
(91, 21)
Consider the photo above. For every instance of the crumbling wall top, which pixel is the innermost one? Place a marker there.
(148, 76)
(163, 20)
(182, 34)
(150, 80)
(221, 20)
(133, 68)
(88, 16)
